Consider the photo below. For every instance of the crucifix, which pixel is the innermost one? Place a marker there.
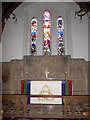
(46, 74)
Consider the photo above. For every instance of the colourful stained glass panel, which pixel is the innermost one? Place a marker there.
(47, 28)
(60, 32)
(33, 35)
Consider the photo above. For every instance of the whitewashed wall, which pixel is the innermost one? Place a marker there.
(12, 43)
(79, 37)
(16, 36)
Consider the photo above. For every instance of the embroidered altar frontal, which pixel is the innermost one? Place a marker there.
(46, 88)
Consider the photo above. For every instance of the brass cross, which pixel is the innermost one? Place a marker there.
(46, 74)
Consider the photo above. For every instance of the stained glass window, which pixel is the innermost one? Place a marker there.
(47, 28)
(60, 31)
(33, 35)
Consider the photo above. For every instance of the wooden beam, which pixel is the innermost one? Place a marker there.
(7, 9)
(84, 6)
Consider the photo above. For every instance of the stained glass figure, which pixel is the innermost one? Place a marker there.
(47, 28)
(33, 35)
(60, 31)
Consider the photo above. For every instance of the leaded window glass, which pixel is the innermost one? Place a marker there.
(33, 35)
(60, 31)
(47, 32)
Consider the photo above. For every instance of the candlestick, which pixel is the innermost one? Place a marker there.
(65, 75)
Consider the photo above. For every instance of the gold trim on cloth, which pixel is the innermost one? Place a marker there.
(45, 91)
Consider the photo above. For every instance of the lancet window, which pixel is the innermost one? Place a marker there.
(60, 32)
(47, 32)
(33, 35)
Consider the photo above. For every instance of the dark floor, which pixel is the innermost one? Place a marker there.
(39, 113)
(23, 118)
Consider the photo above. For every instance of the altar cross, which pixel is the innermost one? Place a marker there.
(46, 74)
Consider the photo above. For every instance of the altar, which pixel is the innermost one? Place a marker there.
(46, 88)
